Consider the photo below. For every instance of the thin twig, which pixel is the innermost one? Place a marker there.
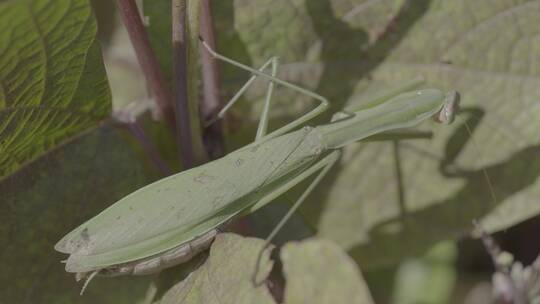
(211, 104)
(147, 59)
(183, 127)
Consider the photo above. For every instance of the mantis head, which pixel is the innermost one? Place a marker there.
(449, 109)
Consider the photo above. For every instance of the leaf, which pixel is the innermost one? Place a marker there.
(46, 199)
(52, 81)
(225, 277)
(428, 279)
(435, 205)
(390, 200)
(318, 271)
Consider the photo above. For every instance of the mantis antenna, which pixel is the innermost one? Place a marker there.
(447, 115)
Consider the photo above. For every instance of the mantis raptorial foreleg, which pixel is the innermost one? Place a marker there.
(378, 98)
(324, 165)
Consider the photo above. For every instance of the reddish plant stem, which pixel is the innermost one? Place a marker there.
(183, 127)
(210, 104)
(147, 59)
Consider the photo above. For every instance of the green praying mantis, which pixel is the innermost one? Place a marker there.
(170, 221)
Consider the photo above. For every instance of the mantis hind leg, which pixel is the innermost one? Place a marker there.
(324, 166)
(261, 130)
(323, 105)
(263, 122)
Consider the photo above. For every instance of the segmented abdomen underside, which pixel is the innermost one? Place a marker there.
(169, 258)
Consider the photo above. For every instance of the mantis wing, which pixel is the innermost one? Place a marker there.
(181, 207)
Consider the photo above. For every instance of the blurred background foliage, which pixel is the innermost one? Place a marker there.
(402, 209)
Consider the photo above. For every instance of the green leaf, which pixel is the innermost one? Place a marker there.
(316, 271)
(429, 279)
(225, 277)
(46, 199)
(319, 271)
(390, 200)
(52, 81)
(487, 68)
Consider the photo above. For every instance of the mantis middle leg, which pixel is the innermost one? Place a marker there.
(323, 165)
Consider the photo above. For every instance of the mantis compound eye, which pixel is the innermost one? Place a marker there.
(449, 109)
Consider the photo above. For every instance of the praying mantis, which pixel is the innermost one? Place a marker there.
(170, 221)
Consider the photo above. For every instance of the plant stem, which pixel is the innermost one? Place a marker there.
(193, 68)
(147, 59)
(211, 104)
(183, 127)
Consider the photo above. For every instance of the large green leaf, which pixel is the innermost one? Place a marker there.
(226, 276)
(429, 279)
(318, 271)
(389, 200)
(52, 81)
(486, 67)
(48, 198)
